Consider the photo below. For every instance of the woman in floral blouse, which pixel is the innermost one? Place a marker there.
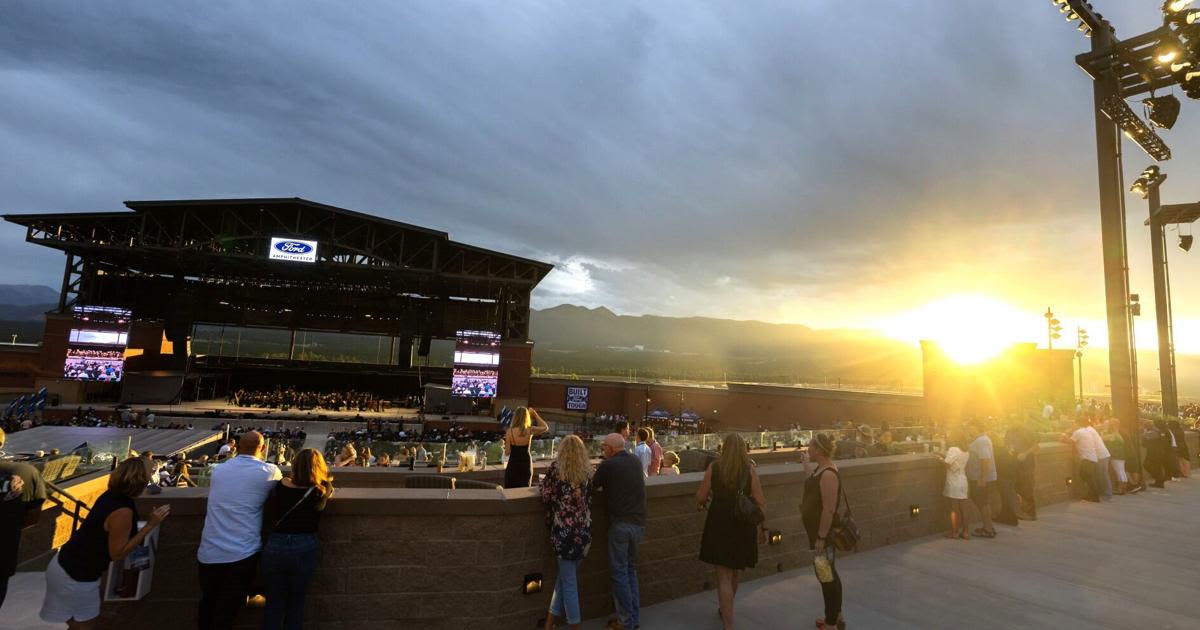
(567, 491)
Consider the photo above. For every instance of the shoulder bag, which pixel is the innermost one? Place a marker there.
(745, 509)
(844, 533)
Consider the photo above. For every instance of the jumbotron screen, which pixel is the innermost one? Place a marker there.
(88, 364)
(474, 383)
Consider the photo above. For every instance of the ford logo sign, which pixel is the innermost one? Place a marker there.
(293, 247)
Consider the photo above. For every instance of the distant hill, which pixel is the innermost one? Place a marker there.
(27, 295)
(596, 341)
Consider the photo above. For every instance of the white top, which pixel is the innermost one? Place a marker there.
(224, 452)
(1098, 442)
(1085, 446)
(233, 522)
(644, 454)
(956, 473)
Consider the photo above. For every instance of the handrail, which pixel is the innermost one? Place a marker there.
(79, 507)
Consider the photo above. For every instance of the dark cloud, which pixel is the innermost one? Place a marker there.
(674, 157)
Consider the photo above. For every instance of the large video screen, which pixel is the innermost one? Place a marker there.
(477, 347)
(91, 364)
(83, 336)
(474, 383)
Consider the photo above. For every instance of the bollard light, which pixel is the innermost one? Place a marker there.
(532, 584)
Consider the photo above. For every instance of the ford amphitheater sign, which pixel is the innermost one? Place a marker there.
(293, 249)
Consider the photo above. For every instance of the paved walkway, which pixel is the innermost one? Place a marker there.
(1132, 563)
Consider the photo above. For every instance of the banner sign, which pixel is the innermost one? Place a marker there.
(577, 399)
(292, 249)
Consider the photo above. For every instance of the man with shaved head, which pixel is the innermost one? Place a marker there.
(621, 478)
(230, 543)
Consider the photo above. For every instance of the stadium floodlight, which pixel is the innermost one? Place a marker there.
(1134, 128)
(1176, 6)
(1162, 111)
(1151, 176)
(1185, 241)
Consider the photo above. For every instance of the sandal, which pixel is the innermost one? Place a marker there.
(983, 533)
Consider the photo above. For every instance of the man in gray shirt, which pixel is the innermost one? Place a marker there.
(981, 475)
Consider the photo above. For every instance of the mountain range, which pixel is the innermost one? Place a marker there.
(597, 342)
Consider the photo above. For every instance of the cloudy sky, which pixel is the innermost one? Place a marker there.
(821, 162)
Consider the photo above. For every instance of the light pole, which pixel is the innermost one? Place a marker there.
(1081, 342)
(1053, 331)
(1120, 69)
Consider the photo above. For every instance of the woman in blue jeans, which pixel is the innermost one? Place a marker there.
(567, 491)
(290, 555)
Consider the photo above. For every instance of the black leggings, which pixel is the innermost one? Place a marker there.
(831, 590)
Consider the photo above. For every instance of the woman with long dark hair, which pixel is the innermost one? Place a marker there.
(821, 492)
(289, 558)
(730, 543)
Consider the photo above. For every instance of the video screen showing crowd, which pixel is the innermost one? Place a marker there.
(94, 365)
(476, 364)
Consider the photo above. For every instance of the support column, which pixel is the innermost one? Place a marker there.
(292, 346)
(1162, 308)
(1113, 237)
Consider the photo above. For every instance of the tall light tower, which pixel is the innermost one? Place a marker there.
(1159, 59)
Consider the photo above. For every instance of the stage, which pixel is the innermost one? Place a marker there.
(161, 442)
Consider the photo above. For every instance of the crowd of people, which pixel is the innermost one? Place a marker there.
(285, 398)
(985, 460)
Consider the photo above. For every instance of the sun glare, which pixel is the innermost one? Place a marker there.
(969, 328)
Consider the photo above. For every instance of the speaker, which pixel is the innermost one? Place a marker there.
(423, 347)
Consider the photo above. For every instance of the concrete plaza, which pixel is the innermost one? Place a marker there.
(1131, 563)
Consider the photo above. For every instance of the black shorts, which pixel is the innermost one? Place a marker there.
(980, 496)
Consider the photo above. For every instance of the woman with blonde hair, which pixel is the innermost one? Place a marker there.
(348, 456)
(567, 490)
(526, 424)
(289, 558)
(670, 464)
(731, 538)
(108, 533)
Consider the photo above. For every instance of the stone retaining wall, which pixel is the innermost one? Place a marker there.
(395, 558)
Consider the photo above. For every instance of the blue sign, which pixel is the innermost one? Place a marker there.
(293, 247)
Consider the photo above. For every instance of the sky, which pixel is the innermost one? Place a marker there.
(822, 162)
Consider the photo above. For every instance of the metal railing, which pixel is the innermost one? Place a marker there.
(70, 506)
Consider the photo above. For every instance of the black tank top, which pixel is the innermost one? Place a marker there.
(85, 556)
(812, 505)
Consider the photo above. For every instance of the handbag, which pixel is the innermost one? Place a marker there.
(844, 533)
(745, 510)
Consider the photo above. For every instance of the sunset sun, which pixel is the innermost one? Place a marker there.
(969, 328)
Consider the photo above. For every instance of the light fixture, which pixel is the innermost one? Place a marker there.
(1135, 129)
(1162, 111)
(1185, 241)
(1070, 481)
(1167, 55)
(914, 511)
(775, 537)
(1175, 6)
(1149, 178)
(532, 584)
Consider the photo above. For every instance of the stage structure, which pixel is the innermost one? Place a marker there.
(282, 263)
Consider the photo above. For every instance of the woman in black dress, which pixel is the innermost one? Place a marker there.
(526, 424)
(730, 544)
(1182, 455)
(821, 492)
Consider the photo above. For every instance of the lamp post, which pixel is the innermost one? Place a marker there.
(1123, 69)
(1081, 341)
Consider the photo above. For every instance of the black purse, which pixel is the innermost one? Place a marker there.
(745, 510)
(844, 533)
